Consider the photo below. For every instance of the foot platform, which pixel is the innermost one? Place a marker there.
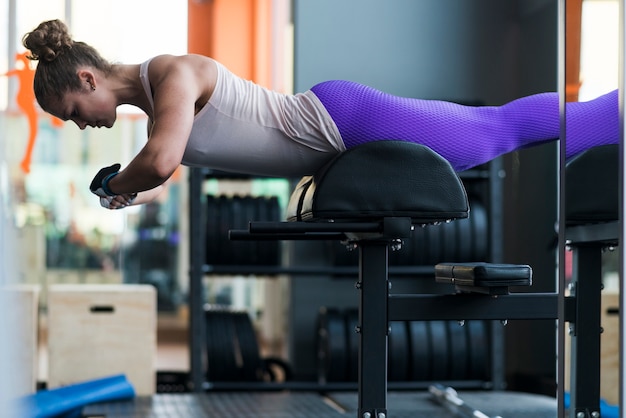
(487, 278)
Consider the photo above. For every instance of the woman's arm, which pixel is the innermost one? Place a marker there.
(148, 196)
(131, 199)
(177, 86)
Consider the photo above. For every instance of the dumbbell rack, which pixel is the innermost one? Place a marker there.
(488, 178)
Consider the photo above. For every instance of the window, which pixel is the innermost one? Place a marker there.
(599, 48)
(63, 233)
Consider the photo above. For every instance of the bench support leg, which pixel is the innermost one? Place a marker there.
(585, 331)
(374, 326)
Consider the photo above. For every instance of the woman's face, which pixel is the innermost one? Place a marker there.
(92, 105)
(87, 107)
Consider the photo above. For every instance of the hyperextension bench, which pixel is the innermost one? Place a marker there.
(373, 196)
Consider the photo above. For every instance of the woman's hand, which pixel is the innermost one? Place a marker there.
(118, 202)
(124, 200)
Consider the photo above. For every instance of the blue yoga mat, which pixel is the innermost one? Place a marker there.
(606, 410)
(67, 401)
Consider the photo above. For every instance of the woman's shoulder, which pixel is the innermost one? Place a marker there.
(188, 60)
(197, 73)
(189, 65)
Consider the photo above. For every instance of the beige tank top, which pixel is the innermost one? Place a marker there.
(245, 128)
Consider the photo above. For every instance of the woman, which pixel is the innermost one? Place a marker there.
(200, 114)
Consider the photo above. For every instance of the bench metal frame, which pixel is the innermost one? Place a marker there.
(581, 308)
(377, 306)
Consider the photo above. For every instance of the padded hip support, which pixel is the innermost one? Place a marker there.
(381, 179)
(591, 187)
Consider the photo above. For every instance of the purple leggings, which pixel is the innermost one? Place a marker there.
(467, 136)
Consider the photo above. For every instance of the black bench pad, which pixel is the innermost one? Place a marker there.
(381, 179)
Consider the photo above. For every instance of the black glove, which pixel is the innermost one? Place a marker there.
(100, 183)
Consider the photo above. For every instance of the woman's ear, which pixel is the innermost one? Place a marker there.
(87, 78)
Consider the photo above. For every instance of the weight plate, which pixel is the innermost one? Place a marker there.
(247, 346)
(220, 349)
(223, 218)
(332, 346)
(212, 230)
(353, 338)
(420, 351)
(480, 232)
(478, 350)
(433, 244)
(464, 228)
(250, 213)
(274, 247)
(398, 352)
(420, 242)
(263, 248)
(458, 351)
(439, 349)
(449, 242)
(235, 248)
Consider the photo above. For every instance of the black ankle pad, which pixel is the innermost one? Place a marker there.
(591, 186)
(480, 277)
(381, 179)
(484, 274)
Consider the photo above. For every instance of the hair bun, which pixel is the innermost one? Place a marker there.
(48, 40)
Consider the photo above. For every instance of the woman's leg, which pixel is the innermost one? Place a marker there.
(466, 136)
(592, 123)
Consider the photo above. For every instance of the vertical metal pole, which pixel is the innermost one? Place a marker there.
(11, 51)
(622, 185)
(373, 319)
(496, 176)
(68, 13)
(585, 352)
(8, 304)
(196, 288)
(561, 214)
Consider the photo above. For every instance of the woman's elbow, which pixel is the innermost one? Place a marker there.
(163, 170)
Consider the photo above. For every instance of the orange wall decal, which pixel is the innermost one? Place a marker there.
(26, 102)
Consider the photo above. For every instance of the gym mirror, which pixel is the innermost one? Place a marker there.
(589, 200)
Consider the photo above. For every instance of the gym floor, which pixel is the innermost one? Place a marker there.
(172, 355)
(305, 405)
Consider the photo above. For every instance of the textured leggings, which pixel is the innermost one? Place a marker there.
(467, 136)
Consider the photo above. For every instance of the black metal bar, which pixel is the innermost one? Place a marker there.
(387, 228)
(314, 386)
(304, 227)
(585, 330)
(196, 288)
(472, 306)
(496, 251)
(244, 235)
(374, 287)
(413, 272)
(607, 232)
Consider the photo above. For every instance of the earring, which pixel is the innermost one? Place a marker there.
(93, 88)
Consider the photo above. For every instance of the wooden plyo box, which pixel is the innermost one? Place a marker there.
(102, 330)
(609, 350)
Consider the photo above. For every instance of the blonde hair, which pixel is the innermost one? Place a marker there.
(59, 58)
